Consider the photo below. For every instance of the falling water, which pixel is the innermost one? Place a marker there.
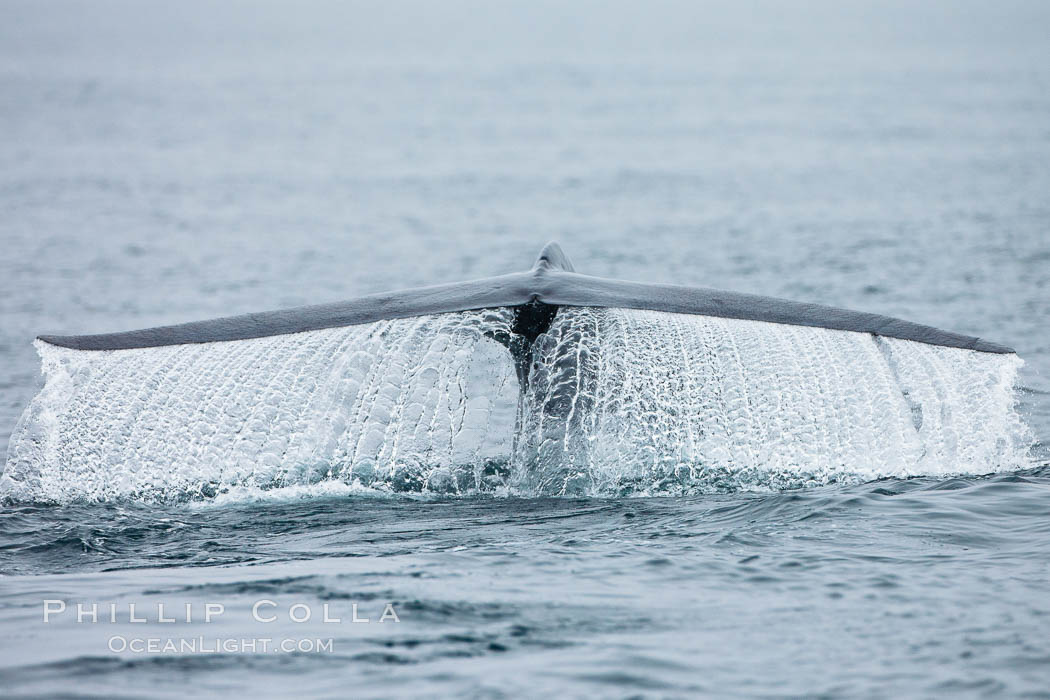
(619, 401)
(652, 402)
(415, 404)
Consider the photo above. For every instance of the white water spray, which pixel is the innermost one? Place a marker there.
(652, 402)
(620, 401)
(413, 404)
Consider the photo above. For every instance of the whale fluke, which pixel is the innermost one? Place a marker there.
(551, 283)
(621, 388)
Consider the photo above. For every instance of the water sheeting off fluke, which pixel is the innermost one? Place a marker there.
(645, 401)
(543, 382)
(416, 404)
(620, 401)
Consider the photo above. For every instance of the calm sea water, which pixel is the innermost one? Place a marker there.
(165, 163)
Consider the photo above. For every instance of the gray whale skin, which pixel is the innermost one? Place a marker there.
(552, 282)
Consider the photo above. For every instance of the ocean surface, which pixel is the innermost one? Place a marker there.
(177, 162)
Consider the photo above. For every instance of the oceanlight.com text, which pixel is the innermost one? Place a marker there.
(217, 645)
